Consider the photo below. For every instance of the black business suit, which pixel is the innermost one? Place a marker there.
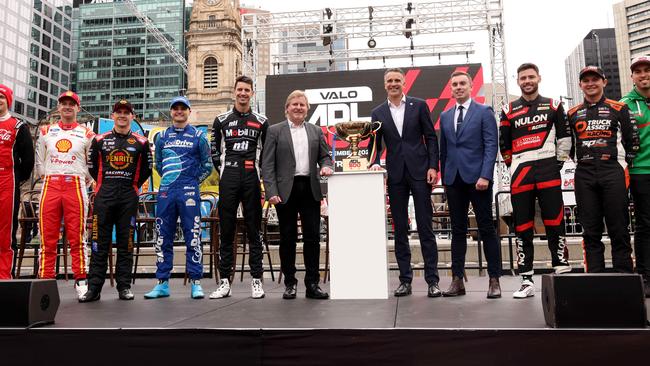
(408, 158)
(299, 195)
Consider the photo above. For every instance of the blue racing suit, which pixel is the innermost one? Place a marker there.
(182, 158)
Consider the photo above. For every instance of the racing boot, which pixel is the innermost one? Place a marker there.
(197, 291)
(160, 290)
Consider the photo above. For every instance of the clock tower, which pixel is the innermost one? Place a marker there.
(214, 56)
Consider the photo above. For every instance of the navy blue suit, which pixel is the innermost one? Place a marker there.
(467, 155)
(408, 158)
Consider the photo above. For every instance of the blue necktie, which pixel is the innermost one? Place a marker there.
(459, 121)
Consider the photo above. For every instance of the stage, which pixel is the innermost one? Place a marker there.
(272, 331)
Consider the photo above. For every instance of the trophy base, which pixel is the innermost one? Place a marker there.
(355, 164)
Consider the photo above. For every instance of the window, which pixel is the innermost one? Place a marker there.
(47, 25)
(44, 85)
(31, 112)
(57, 32)
(33, 81)
(33, 65)
(19, 107)
(45, 71)
(34, 50)
(36, 34)
(45, 55)
(210, 73)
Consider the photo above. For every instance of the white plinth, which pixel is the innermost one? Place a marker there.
(357, 234)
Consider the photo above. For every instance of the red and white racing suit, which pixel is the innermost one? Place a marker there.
(16, 164)
(61, 151)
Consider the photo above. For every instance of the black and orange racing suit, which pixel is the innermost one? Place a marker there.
(605, 141)
(535, 140)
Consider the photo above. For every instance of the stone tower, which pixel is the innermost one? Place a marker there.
(214, 49)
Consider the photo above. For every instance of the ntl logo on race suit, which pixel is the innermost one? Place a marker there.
(336, 105)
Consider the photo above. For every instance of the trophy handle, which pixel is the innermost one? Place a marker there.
(332, 133)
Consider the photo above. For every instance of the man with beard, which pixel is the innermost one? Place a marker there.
(237, 140)
(535, 140)
(637, 100)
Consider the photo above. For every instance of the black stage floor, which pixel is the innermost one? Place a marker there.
(463, 330)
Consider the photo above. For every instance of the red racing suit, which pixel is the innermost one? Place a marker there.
(16, 164)
(534, 141)
(61, 152)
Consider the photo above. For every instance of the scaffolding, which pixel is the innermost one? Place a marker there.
(409, 20)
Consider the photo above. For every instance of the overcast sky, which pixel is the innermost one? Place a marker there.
(540, 31)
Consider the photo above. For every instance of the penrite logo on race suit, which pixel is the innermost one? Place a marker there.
(119, 159)
(338, 104)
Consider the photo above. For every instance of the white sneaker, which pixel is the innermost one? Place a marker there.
(81, 286)
(257, 292)
(562, 269)
(222, 291)
(527, 290)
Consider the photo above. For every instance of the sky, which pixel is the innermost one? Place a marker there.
(544, 32)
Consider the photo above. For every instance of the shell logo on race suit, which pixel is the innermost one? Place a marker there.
(63, 145)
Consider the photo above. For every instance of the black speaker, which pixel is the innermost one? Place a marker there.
(598, 300)
(28, 303)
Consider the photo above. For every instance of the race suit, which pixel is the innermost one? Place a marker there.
(61, 152)
(534, 141)
(182, 158)
(605, 141)
(120, 164)
(640, 181)
(236, 144)
(16, 164)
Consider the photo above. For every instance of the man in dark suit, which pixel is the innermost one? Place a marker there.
(468, 150)
(411, 164)
(295, 156)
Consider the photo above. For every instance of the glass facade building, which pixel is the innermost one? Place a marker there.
(118, 58)
(35, 53)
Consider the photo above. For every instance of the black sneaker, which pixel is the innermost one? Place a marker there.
(126, 294)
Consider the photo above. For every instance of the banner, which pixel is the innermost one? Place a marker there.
(344, 96)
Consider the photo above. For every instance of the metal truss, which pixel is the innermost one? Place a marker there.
(375, 53)
(408, 19)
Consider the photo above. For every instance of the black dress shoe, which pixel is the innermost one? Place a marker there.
(494, 290)
(456, 288)
(314, 292)
(404, 289)
(126, 294)
(434, 291)
(90, 296)
(290, 292)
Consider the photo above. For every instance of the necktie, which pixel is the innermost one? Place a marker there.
(459, 121)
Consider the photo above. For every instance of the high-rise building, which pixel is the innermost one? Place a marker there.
(597, 48)
(35, 48)
(119, 58)
(632, 21)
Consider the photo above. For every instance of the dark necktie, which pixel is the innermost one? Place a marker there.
(459, 121)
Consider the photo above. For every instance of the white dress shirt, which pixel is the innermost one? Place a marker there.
(397, 112)
(465, 108)
(300, 147)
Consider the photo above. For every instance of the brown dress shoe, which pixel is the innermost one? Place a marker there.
(457, 288)
(494, 290)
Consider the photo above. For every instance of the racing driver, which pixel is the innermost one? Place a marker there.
(237, 140)
(16, 165)
(182, 158)
(535, 141)
(120, 162)
(61, 152)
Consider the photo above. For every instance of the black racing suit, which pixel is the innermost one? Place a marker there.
(604, 141)
(236, 145)
(120, 164)
(535, 140)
